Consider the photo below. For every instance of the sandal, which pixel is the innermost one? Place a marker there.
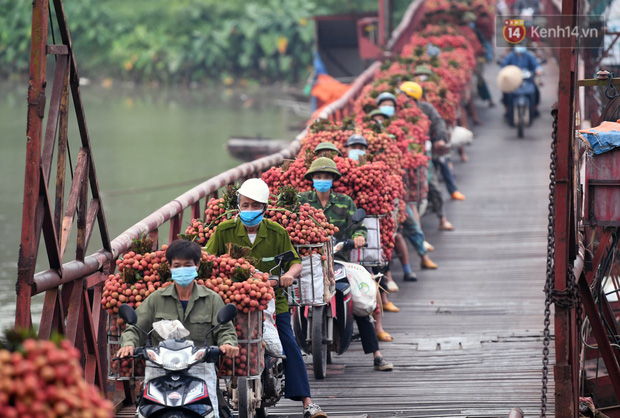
(385, 337)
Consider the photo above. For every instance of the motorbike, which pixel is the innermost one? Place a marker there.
(521, 103)
(176, 394)
(325, 328)
(252, 395)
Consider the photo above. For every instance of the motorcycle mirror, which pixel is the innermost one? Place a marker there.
(227, 313)
(128, 314)
(358, 216)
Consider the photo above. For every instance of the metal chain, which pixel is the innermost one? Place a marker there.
(568, 298)
(550, 282)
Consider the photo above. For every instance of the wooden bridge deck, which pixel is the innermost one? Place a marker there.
(468, 338)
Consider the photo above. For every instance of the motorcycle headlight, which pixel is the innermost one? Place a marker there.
(175, 360)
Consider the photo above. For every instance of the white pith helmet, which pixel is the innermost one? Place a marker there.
(255, 189)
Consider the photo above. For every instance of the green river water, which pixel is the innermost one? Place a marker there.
(149, 146)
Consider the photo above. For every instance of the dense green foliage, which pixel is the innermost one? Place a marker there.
(180, 40)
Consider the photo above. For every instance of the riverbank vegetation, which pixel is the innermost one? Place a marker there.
(181, 41)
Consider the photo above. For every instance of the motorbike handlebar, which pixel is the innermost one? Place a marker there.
(348, 245)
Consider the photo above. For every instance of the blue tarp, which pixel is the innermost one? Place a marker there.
(602, 138)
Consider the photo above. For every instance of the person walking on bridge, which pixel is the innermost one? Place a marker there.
(268, 239)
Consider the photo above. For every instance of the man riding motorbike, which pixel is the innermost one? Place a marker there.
(195, 306)
(338, 210)
(525, 60)
(267, 239)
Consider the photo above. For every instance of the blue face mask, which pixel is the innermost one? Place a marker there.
(355, 154)
(520, 49)
(472, 25)
(322, 185)
(388, 110)
(183, 276)
(251, 217)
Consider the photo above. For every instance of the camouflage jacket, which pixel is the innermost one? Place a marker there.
(338, 211)
(438, 125)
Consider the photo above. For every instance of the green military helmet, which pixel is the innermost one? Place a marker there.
(423, 69)
(469, 17)
(323, 165)
(327, 146)
(377, 112)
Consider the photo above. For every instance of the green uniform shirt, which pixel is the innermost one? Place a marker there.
(338, 211)
(271, 240)
(199, 317)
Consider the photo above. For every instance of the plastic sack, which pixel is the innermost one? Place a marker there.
(373, 254)
(363, 289)
(270, 332)
(311, 276)
(461, 136)
(170, 329)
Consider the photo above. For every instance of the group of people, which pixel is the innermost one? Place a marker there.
(196, 306)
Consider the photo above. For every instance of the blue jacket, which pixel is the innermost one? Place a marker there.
(527, 61)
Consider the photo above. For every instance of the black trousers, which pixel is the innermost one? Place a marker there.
(370, 344)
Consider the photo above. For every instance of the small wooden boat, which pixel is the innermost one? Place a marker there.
(251, 148)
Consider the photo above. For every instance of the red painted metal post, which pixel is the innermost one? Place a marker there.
(36, 107)
(566, 367)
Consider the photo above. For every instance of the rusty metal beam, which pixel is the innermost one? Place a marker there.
(600, 333)
(175, 227)
(74, 82)
(52, 317)
(45, 222)
(79, 178)
(74, 313)
(53, 115)
(566, 368)
(61, 164)
(80, 249)
(56, 49)
(36, 106)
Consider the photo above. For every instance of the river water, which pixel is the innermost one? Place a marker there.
(149, 146)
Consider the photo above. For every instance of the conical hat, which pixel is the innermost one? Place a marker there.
(509, 78)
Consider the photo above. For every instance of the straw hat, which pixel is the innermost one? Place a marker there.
(509, 78)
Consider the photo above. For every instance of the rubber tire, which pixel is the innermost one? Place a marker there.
(245, 392)
(520, 122)
(330, 359)
(319, 347)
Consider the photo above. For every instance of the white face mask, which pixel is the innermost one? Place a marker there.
(355, 154)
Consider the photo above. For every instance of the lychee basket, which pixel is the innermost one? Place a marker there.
(125, 369)
(251, 359)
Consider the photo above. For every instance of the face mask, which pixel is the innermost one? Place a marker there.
(183, 276)
(387, 110)
(322, 185)
(520, 49)
(251, 217)
(355, 154)
(472, 25)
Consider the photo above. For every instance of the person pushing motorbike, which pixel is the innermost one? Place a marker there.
(338, 209)
(267, 239)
